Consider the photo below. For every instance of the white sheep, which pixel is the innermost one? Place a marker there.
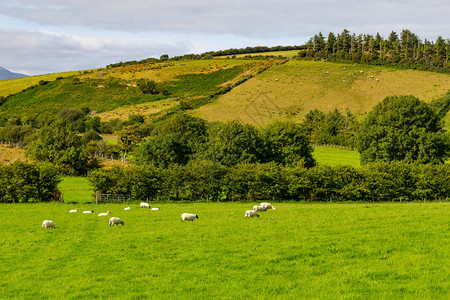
(115, 221)
(145, 204)
(267, 205)
(154, 208)
(251, 214)
(73, 210)
(88, 212)
(127, 208)
(48, 224)
(104, 214)
(188, 217)
(258, 208)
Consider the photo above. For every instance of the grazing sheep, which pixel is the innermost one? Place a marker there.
(154, 208)
(104, 214)
(73, 210)
(267, 205)
(88, 212)
(144, 204)
(127, 208)
(258, 208)
(48, 224)
(188, 217)
(115, 221)
(251, 214)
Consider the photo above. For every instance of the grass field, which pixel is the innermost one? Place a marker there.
(327, 251)
(335, 156)
(76, 190)
(291, 90)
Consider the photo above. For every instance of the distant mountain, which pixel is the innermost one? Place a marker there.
(6, 74)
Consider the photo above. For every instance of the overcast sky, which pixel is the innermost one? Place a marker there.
(44, 36)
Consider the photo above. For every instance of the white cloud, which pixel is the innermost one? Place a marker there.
(66, 35)
(246, 18)
(38, 52)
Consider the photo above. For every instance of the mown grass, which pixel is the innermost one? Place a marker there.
(325, 251)
(291, 90)
(335, 156)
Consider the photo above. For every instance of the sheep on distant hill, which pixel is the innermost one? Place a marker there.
(115, 221)
(155, 208)
(145, 204)
(88, 212)
(127, 208)
(188, 217)
(73, 210)
(48, 224)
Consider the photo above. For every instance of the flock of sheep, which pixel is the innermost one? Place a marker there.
(262, 207)
(184, 217)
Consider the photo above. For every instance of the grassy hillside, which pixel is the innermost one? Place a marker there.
(283, 91)
(291, 90)
(288, 53)
(298, 251)
(107, 89)
(13, 86)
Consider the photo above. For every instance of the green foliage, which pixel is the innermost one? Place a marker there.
(332, 128)
(406, 51)
(97, 94)
(232, 143)
(129, 137)
(148, 86)
(60, 145)
(403, 129)
(192, 85)
(175, 140)
(286, 143)
(205, 180)
(22, 182)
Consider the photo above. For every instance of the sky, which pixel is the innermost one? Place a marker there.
(45, 36)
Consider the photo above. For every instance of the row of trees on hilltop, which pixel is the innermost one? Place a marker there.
(404, 49)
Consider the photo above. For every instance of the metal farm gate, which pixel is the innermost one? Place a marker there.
(111, 198)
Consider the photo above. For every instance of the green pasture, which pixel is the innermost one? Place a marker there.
(298, 251)
(76, 190)
(335, 156)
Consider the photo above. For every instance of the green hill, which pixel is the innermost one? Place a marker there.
(104, 90)
(254, 91)
(291, 90)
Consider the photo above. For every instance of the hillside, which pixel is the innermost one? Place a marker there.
(254, 91)
(293, 89)
(107, 89)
